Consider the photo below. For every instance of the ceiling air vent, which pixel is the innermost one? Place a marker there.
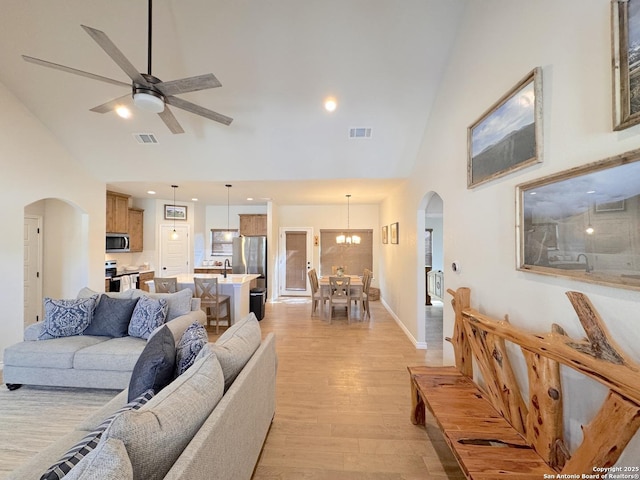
(360, 132)
(145, 138)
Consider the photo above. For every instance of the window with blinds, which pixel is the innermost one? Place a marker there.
(222, 242)
(355, 258)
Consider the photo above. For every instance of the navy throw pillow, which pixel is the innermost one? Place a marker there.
(156, 365)
(111, 317)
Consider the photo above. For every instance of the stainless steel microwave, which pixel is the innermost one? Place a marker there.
(117, 242)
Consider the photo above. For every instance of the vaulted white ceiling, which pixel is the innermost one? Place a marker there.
(277, 60)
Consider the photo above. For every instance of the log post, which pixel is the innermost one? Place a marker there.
(462, 350)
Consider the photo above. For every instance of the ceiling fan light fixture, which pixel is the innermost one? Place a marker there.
(148, 100)
(123, 111)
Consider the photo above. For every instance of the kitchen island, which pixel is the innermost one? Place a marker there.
(237, 286)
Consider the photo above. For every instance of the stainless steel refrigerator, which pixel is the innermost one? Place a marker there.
(250, 256)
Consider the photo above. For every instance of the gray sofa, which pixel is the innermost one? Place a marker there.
(86, 360)
(209, 423)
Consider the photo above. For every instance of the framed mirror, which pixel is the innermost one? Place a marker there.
(583, 223)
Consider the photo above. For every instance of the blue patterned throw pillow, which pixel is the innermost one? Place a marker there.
(193, 339)
(64, 318)
(81, 449)
(149, 314)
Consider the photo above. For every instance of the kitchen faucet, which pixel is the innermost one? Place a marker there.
(586, 259)
(227, 263)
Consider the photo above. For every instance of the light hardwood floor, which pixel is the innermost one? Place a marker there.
(343, 401)
(342, 410)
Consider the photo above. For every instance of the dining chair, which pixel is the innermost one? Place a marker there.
(207, 290)
(366, 283)
(340, 294)
(165, 285)
(317, 295)
(358, 294)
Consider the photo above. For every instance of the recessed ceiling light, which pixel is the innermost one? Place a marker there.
(194, 199)
(151, 192)
(249, 198)
(123, 111)
(330, 104)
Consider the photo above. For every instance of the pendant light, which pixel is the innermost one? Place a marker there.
(228, 235)
(589, 230)
(174, 234)
(348, 239)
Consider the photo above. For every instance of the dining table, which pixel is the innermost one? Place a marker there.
(356, 287)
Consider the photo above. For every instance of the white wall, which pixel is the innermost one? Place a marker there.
(35, 167)
(499, 42)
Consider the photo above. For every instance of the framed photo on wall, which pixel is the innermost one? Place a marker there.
(175, 212)
(508, 136)
(385, 234)
(625, 34)
(394, 232)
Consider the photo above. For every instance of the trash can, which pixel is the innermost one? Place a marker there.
(258, 297)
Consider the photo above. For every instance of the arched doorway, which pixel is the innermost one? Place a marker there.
(57, 259)
(431, 269)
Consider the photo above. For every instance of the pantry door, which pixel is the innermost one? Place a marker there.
(174, 251)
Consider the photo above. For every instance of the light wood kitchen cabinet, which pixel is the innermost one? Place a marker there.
(117, 213)
(136, 219)
(143, 278)
(253, 225)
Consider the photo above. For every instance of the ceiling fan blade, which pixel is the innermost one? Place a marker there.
(198, 110)
(190, 84)
(111, 105)
(45, 63)
(170, 121)
(116, 55)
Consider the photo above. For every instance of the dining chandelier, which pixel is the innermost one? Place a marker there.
(348, 239)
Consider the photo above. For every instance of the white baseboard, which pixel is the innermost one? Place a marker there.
(418, 345)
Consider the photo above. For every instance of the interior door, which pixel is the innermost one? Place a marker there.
(296, 259)
(174, 252)
(32, 269)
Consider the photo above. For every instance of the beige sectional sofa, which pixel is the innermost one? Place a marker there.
(87, 360)
(209, 423)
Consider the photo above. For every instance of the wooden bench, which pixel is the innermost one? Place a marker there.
(492, 431)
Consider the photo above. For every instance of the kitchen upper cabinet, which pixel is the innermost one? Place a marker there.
(117, 213)
(136, 217)
(253, 225)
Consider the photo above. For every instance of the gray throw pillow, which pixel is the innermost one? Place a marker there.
(84, 447)
(179, 303)
(148, 315)
(111, 317)
(236, 346)
(108, 461)
(64, 318)
(193, 339)
(156, 365)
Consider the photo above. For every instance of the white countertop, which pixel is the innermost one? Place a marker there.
(232, 279)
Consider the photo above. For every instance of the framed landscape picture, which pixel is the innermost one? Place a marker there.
(177, 212)
(625, 29)
(508, 136)
(394, 232)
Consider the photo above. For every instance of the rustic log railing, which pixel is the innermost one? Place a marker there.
(539, 418)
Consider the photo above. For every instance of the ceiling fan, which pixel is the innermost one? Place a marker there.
(148, 92)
